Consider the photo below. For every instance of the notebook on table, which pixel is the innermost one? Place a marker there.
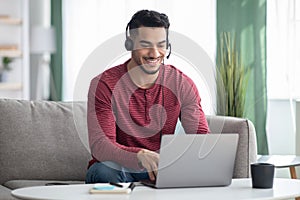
(195, 160)
(112, 188)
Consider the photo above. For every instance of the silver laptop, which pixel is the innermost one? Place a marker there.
(196, 160)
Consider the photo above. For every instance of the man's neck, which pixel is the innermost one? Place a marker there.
(139, 77)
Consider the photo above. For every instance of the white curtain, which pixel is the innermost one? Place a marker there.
(283, 48)
(283, 70)
(87, 24)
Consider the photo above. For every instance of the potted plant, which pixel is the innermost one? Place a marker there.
(5, 66)
(232, 78)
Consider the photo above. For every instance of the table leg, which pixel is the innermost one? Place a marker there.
(294, 176)
(293, 172)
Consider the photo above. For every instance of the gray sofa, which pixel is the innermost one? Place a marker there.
(43, 142)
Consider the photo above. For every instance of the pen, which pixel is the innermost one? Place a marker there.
(131, 186)
(116, 184)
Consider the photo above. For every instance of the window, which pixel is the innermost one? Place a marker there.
(283, 47)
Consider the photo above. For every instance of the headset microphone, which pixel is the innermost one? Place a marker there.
(169, 51)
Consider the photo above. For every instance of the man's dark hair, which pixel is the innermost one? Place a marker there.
(149, 18)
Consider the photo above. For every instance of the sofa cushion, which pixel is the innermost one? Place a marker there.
(40, 140)
(15, 184)
(5, 194)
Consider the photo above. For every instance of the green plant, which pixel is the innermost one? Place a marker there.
(232, 78)
(6, 61)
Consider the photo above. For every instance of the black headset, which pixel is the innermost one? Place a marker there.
(129, 43)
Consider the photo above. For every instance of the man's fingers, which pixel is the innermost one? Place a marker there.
(154, 170)
(151, 168)
(155, 173)
(150, 172)
(151, 176)
(149, 160)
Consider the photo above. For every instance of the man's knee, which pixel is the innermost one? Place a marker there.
(103, 172)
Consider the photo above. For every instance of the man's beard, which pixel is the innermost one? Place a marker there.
(147, 71)
(141, 66)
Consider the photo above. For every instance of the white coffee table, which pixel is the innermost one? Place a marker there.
(282, 161)
(239, 189)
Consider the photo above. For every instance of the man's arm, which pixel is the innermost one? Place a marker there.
(102, 128)
(192, 116)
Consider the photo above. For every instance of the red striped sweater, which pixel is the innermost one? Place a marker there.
(123, 119)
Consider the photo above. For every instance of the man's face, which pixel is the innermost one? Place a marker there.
(149, 48)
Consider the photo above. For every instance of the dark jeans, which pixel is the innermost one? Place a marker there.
(103, 172)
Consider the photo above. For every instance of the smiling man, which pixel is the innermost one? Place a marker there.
(130, 106)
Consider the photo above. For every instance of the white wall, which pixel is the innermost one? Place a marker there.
(297, 141)
(280, 126)
(281, 131)
(39, 16)
(297, 115)
(99, 24)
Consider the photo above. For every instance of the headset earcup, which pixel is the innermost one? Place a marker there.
(128, 44)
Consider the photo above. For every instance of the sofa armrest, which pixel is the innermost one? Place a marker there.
(247, 147)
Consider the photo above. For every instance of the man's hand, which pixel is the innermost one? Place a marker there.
(149, 160)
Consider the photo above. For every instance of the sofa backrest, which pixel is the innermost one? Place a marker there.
(42, 140)
(46, 140)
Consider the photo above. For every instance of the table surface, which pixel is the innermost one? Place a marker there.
(280, 161)
(239, 189)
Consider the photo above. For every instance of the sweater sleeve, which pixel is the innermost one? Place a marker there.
(102, 128)
(192, 116)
